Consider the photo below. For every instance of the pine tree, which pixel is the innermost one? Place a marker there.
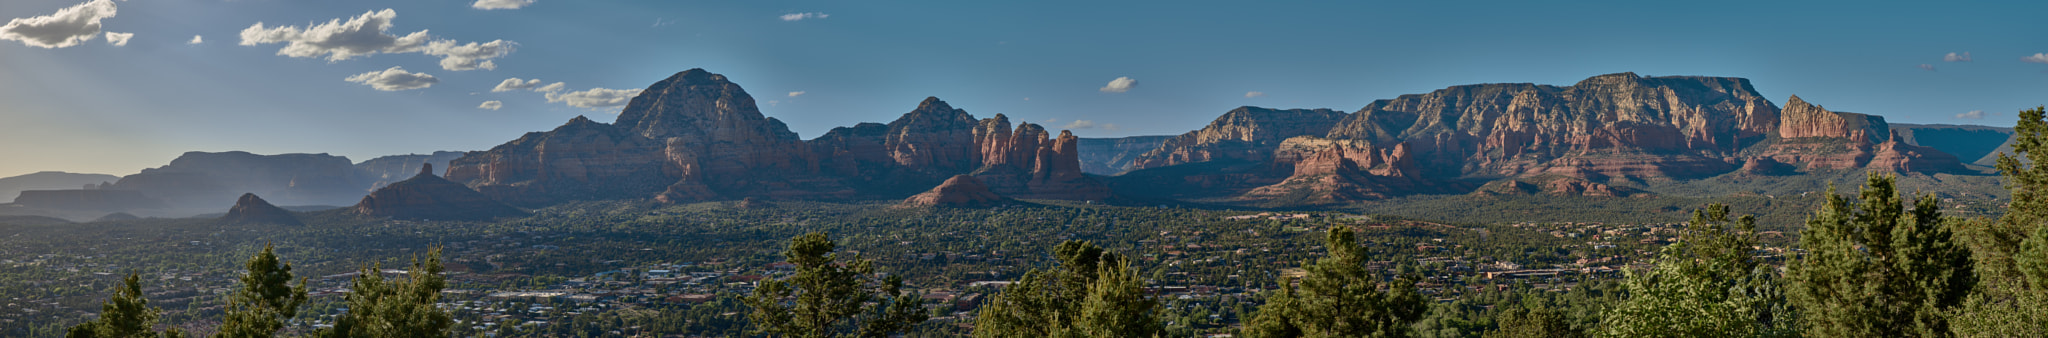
(125, 315)
(2012, 251)
(392, 308)
(1875, 268)
(1091, 293)
(266, 301)
(1708, 285)
(1116, 306)
(1339, 298)
(828, 296)
(1521, 322)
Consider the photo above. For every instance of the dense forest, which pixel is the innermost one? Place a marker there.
(1868, 259)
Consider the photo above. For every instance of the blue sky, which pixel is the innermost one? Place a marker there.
(97, 107)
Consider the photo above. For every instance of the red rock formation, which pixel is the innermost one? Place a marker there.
(1827, 140)
(1028, 163)
(204, 181)
(250, 209)
(1896, 155)
(582, 159)
(934, 138)
(1326, 171)
(1246, 133)
(1802, 119)
(959, 191)
(696, 136)
(1687, 123)
(429, 197)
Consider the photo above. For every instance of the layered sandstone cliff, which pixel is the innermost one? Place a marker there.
(1243, 134)
(1329, 170)
(697, 136)
(1612, 125)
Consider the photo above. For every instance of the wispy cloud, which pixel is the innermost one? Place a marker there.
(796, 93)
(595, 97)
(1119, 85)
(1926, 66)
(196, 40)
(804, 16)
(492, 105)
(1953, 57)
(366, 35)
(512, 84)
(65, 28)
(1971, 115)
(2036, 58)
(394, 79)
(1252, 94)
(499, 4)
(119, 39)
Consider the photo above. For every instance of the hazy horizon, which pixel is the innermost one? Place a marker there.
(89, 106)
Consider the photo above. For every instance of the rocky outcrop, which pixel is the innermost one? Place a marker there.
(934, 138)
(920, 148)
(1618, 125)
(429, 197)
(1802, 119)
(386, 169)
(203, 180)
(1818, 139)
(697, 136)
(1246, 133)
(1326, 170)
(1112, 156)
(1976, 144)
(48, 180)
(959, 191)
(1028, 163)
(250, 209)
(1896, 155)
(581, 159)
(1765, 166)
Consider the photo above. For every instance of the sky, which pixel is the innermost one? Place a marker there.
(108, 86)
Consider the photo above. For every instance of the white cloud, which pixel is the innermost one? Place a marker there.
(1972, 115)
(469, 56)
(499, 4)
(1119, 85)
(595, 97)
(1252, 94)
(68, 27)
(796, 93)
(196, 40)
(1925, 66)
(512, 84)
(2036, 58)
(553, 87)
(394, 79)
(119, 39)
(492, 105)
(366, 35)
(1953, 57)
(802, 16)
